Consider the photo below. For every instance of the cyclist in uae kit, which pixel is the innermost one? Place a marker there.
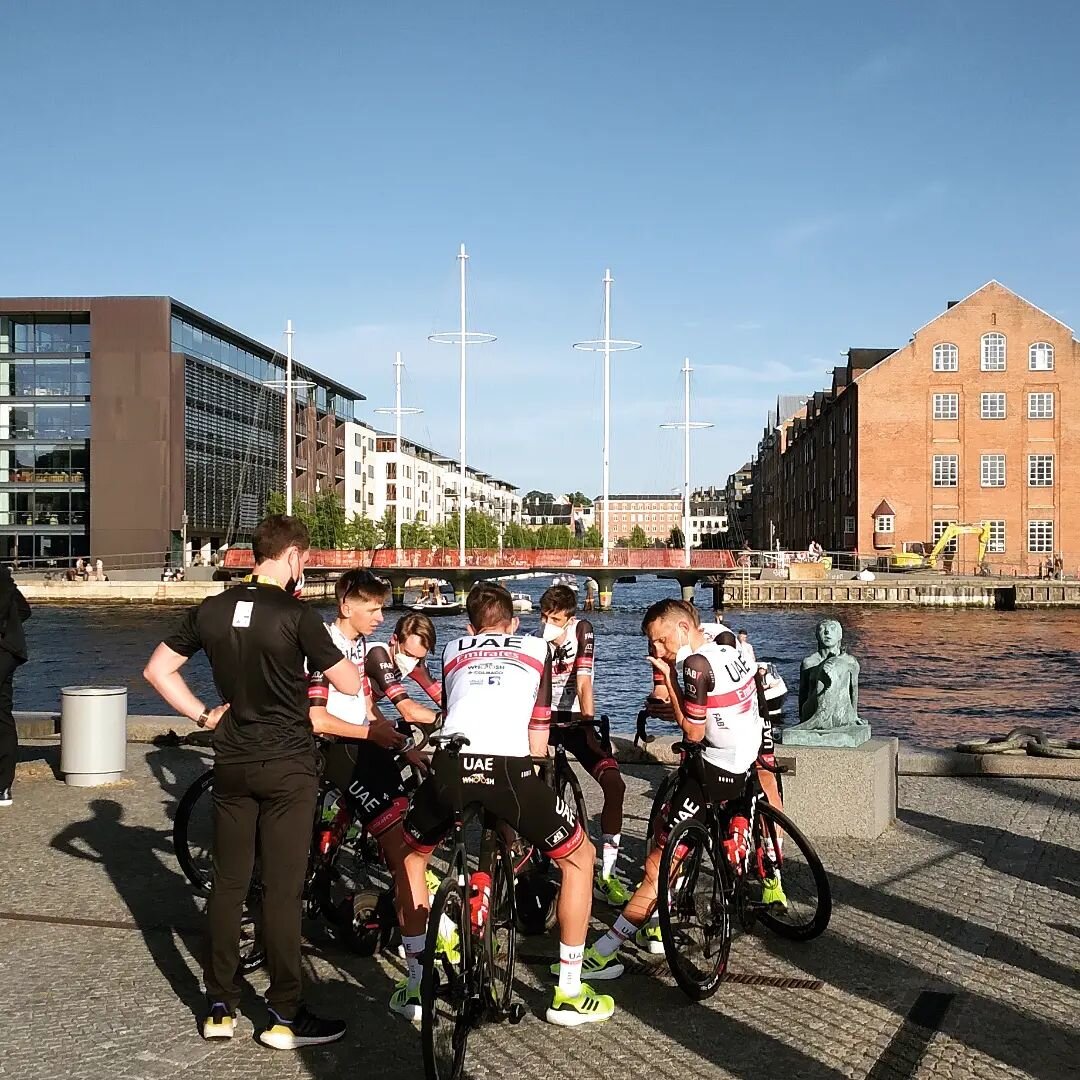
(497, 688)
(571, 643)
(717, 703)
(363, 764)
(402, 657)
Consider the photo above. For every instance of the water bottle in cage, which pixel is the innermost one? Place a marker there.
(479, 899)
(738, 838)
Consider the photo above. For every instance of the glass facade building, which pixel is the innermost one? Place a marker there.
(44, 436)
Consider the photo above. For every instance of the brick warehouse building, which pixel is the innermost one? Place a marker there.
(975, 419)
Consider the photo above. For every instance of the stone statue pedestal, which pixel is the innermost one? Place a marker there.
(852, 735)
(840, 791)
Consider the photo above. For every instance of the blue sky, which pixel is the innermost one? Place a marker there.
(769, 183)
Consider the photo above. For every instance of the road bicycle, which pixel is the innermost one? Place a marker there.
(539, 881)
(346, 882)
(464, 987)
(711, 874)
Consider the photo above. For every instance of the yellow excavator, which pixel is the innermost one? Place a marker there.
(920, 555)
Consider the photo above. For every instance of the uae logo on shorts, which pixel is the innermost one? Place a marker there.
(556, 838)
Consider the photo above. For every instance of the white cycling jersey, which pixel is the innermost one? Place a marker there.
(352, 708)
(720, 693)
(572, 658)
(495, 688)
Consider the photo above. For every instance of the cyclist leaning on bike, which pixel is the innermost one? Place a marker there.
(716, 703)
(572, 643)
(497, 690)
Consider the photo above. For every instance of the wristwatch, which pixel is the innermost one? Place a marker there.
(203, 717)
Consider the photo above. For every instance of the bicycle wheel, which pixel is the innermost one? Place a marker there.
(500, 936)
(445, 989)
(193, 831)
(660, 800)
(568, 789)
(695, 919)
(782, 851)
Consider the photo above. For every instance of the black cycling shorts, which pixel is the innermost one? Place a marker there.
(506, 787)
(690, 798)
(583, 742)
(369, 777)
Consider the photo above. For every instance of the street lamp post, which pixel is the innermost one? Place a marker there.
(398, 412)
(463, 338)
(686, 427)
(607, 345)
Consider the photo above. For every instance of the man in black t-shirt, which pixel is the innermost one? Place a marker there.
(258, 637)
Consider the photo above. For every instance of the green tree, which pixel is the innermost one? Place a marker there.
(576, 498)
(554, 537)
(275, 503)
(637, 538)
(415, 534)
(362, 533)
(593, 538)
(676, 539)
(517, 536)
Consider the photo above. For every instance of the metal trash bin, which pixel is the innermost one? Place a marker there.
(93, 734)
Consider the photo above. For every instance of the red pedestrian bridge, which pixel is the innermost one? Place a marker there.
(397, 566)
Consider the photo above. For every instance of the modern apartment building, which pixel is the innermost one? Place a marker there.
(976, 418)
(419, 482)
(131, 426)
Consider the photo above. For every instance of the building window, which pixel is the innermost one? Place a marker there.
(939, 532)
(849, 526)
(883, 523)
(1040, 536)
(1041, 406)
(992, 406)
(1040, 470)
(946, 470)
(358, 496)
(371, 498)
(371, 472)
(946, 357)
(992, 470)
(993, 352)
(357, 468)
(946, 406)
(358, 440)
(1041, 356)
(996, 544)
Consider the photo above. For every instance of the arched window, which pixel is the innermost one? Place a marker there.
(946, 357)
(993, 352)
(1041, 356)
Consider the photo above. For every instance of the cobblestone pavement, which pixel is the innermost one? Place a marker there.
(968, 907)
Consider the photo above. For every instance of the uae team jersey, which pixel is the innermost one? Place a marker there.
(386, 680)
(352, 708)
(497, 687)
(713, 629)
(720, 694)
(572, 658)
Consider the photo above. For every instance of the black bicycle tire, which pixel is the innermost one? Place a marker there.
(429, 981)
(695, 989)
(567, 778)
(663, 794)
(821, 919)
(194, 793)
(504, 867)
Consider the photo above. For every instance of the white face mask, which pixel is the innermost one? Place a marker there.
(551, 632)
(405, 664)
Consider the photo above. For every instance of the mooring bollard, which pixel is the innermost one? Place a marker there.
(93, 734)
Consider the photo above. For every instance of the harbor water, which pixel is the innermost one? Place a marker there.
(930, 676)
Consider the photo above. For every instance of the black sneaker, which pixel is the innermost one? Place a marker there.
(5, 797)
(304, 1029)
(219, 1023)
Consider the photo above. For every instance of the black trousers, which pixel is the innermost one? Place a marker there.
(273, 801)
(9, 736)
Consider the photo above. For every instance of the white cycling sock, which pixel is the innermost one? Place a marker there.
(610, 853)
(570, 957)
(414, 949)
(613, 940)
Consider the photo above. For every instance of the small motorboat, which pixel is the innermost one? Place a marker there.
(565, 579)
(436, 598)
(522, 602)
